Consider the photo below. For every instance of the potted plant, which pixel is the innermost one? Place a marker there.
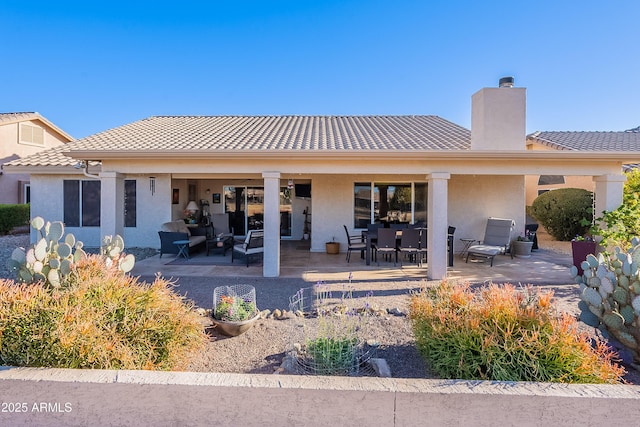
(234, 309)
(522, 246)
(332, 247)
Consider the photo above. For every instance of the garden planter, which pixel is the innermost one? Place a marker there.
(580, 249)
(234, 309)
(233, 329)
(521, 249)
(333, 247)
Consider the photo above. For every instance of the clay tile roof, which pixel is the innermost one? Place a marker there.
(590, 141)
(283, 133)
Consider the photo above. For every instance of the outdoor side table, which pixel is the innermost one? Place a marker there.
(466, 244)
(220, 244)
(183, 248)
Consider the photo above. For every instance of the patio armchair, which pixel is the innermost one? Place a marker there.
(253, 244)
(497, 237)
(354, 243)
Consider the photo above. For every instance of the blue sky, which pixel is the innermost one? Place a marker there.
(89, 66)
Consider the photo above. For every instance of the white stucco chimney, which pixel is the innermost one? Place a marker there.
(498, 117)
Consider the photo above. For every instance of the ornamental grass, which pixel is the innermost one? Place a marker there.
(500, 333)
(103, 319)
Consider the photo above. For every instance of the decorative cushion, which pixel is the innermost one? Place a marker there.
(486, 250)
(177, 226)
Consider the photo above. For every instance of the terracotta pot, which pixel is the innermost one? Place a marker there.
(333, 248)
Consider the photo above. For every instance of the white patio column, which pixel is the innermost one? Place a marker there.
(271, 265)
(608, 192)
(437, 225)
(111, 204)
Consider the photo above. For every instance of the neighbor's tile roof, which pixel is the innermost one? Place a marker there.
(590, 141)
(16, 117)
(283, 133)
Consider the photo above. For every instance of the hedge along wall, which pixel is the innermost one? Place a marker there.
(12, 216)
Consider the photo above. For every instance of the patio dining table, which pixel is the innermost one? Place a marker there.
(371, 236)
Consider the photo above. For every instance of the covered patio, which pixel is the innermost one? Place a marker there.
(545, 266)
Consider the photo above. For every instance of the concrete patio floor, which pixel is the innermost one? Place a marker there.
(545, 266)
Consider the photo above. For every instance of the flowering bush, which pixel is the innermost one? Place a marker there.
(498, 333)
(234, 309)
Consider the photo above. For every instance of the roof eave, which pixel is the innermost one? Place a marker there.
(624, 156)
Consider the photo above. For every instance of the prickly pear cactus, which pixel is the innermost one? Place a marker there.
(112, 251)
(50, 259)
(610, 293)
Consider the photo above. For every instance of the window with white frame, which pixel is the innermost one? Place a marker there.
(81, 203)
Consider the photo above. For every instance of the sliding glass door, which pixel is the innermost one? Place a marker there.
(245, 206)
(376, 202)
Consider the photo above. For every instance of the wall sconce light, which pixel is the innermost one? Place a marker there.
(152, 184)
(208, 191)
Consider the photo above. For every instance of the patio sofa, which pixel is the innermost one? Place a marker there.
(178, 230)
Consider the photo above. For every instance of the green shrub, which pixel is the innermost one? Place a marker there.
(564, 213)
(12, 216)
(619, 226)
(501, 334)
(104, 319)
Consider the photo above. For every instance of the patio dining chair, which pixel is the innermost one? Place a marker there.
(410, 245)
(422, 247)
(386, 244)
(497, 237)
(354, 243)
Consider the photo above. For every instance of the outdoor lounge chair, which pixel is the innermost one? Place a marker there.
(497, 237)
(253, 244)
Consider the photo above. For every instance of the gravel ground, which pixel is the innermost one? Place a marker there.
(263, 348)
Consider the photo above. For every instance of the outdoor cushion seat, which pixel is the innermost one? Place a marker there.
(178, 230)
(253, 244)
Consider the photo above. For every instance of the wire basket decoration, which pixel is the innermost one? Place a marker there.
(329, 333)
(234, 308)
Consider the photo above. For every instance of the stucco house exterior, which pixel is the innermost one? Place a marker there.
(628, 140)
(349, 170)
(21, 135)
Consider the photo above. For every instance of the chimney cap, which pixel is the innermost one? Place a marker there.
(506, 82)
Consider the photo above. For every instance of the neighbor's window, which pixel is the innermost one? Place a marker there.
(550, 179)
(389, 202)
(31, 134)
(81, 203)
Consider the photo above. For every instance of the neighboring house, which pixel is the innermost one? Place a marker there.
(21, 135)
(628, 140)
(350, 170)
